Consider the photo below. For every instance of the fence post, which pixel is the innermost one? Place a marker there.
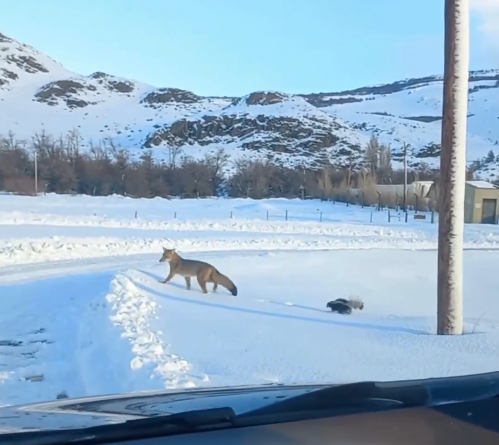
(406, 215)
(135, 214)
(432, 216)
(174, 215)
(267, 215)
(371, 219)
(286, 215)
(389, 216)
(320, 217)
(231, 214)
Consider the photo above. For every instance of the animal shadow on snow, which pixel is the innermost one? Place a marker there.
(350, 324)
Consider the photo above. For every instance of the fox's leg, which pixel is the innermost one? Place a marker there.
(168, 278)
(202, 284)
(215, 286)
(188, 283)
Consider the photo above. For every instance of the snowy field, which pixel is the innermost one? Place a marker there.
(82, 311)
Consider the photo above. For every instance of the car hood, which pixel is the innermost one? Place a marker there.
(113, 409)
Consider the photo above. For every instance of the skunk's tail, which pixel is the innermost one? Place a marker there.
(354, 303)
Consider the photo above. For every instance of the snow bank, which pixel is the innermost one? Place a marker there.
(132, 312)
(57, 249)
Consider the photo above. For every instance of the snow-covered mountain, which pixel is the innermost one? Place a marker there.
(37, 93)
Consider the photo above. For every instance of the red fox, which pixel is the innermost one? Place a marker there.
(204, 272)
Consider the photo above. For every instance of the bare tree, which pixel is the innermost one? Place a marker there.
(216, 163)
(174, 153)
(371, 155)
(453, 168)
(324, 183)
(73, 143)
(385, 165)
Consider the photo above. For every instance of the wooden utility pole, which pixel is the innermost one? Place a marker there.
(453, 169)
(36, 174)
(405, 147)
(349, 174)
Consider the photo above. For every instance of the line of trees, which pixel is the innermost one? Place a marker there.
(104, 169)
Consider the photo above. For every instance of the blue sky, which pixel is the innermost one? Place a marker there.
(232, 47)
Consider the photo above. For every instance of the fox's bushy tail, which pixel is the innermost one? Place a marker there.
(224, 281)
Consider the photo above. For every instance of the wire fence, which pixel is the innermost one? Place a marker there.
(353, 214)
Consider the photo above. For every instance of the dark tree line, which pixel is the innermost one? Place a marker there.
(104, 169)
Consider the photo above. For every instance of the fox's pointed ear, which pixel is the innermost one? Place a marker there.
(164, 249)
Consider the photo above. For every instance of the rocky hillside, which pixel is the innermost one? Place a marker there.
(37, 93)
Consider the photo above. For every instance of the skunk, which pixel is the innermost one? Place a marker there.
(344, 306)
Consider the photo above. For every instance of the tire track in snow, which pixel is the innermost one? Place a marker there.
(58, 335)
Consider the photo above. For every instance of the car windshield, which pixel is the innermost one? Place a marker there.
(223, 194)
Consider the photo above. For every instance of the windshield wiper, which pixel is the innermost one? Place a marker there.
(363, 395)
(188, 421)
(371, 396)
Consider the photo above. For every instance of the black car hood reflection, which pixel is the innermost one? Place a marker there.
(113, 409)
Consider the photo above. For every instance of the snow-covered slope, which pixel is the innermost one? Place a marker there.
(411, 111)
(269, 125)
(37, 93)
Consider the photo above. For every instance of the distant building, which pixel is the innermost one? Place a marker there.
(392, 195)
(480, 201)
(419, 188)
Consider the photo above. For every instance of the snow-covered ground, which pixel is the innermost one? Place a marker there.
(82, 311)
